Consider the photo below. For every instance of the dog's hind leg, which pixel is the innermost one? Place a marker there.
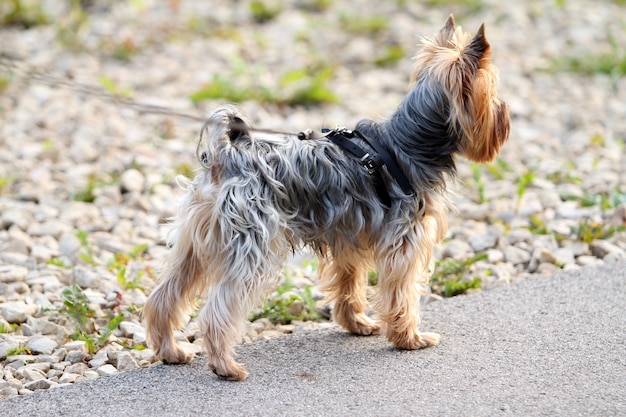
(345, 278)
(248, 265)
(184, 277)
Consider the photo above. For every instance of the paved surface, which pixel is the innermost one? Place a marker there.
(551, 346)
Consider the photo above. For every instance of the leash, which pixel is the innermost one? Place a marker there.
(30, 73)
(372, 160)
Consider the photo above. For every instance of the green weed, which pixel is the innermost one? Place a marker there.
(76, 307)
(538, 226)
(523, 182)
(588, 231)
(86, 252)
(391, 55)
(263, 12)
(612, 62)
(4, 83)
(18, 351)
(110, 86)
(308, 89)
(448, 279)
(58, 262)
(498, 168)
(297, 87)
(72, 28)
(315, 5)
(23, 13)
(131, 344)
(287, 306)
(469, 6)
(4, 329)
(477, 174)
(5, 183)
(364, 25)
(185, 169)
(119, 265)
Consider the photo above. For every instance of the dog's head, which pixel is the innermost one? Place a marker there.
(462, 66)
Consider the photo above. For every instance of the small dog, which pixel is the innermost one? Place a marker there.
(260, 198)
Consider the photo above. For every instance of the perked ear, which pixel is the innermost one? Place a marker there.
(450, 24)
(447, 32)
(479, 45)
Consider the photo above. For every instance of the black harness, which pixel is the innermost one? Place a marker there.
(372, 160)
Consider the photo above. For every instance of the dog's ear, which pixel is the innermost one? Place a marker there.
(479, 45)
(450, 24)
(447, 32)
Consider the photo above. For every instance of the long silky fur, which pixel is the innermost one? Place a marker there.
(260, 198)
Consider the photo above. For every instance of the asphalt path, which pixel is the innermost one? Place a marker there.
(551, 346)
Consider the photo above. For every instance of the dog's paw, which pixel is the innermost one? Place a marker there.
(176, 356)
(363, 325)
(413, 341)
(232, 372)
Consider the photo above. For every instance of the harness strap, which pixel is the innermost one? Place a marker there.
(372, 161)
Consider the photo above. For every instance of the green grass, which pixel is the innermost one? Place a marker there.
(22, 13)
(449, 278)
(4, 83)
(390, 56)
(477, 174)
(119, 266)
(264, 11)
(76, 307)
(86, 252)
(295, 87)
(523, 182)
(588, 231)
(612, 62)
(363, 25)
(18, 351)
(282, 307)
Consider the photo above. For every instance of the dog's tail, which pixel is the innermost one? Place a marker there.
(223, 127)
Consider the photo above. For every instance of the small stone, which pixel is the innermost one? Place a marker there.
(8, 345)
(482, 242)
(12, 273)
(601, 248)
(76, 345)
(39, 384)
(270, 334)
(84, 277)
(7, 392)
(67, 378)
(132, 181)
(42, 345)
(30, 374)
(129, 329)
(75, 356)
(516, 255)
(457, 249)
(91, 374)
(585, 260)
(99, 359)
(107, 370)
(17, 311)
(77, 368)
(126, 362)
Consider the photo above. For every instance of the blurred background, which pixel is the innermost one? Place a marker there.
(88, 170)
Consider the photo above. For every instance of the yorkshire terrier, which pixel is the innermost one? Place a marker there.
(374, 197)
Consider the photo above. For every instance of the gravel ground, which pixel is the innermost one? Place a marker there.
(87, 184)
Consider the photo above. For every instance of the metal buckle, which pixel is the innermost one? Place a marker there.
(369, 164)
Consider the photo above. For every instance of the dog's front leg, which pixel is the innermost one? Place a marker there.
(401, 272)
(344, 277)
